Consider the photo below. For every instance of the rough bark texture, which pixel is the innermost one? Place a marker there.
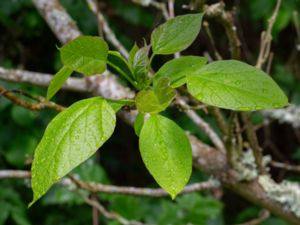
(213, 162)
(58, 20)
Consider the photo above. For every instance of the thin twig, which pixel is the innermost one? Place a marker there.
(203, 125)
(109, 34)
(266, 38)
(149, 192)
(252, 138)
(14, 174)
(171, 8)
(269, 64)
(238, 134)
(285, 166)
(231, 151)
(110, 215)
(112, 189)
(158, 5)
(41, 104)
(263, 215)
(95, 211)
(212, 41)
(225, 18)
(217, 113)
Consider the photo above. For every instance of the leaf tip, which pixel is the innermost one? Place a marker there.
(173, 196)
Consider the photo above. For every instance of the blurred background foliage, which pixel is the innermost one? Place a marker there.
(26, 42)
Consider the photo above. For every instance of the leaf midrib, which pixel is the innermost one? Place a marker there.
(172, 39)
(84, 56)
(237, 88)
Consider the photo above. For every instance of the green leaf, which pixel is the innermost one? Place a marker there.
(70, 138)
(176, 34)
(138, 123)
(177, 69)
(235, 85)
(116, 105)
(140, 65)
(132, 53)
(157, 99)
(164, 92)
(57, 81)
(85, 54)
(167, 153)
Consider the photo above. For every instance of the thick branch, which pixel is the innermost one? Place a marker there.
(58, 19)
(41, 79)
(105, 85)
(214, 162)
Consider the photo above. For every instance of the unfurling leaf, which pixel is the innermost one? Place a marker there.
(235, 85)
(71, 137)
(176, 34)
(132, 53)
(139, 63)
(156, 99)
(166, 152)
(85, 54)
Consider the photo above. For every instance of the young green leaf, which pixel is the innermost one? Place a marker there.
(132, 53)
(176, 34)
(166, 152)
(116, 105)
(139, 64)
(57, 81)
(85, 54)
(235, 85)
(138, 123)
(157, 99)
(70, 138)
(177, 69)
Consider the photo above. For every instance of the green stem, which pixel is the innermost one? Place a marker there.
(150, 61)
(117, 54)
(121, 72)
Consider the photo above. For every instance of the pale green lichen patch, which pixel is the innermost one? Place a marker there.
(246, 166)
(287, 193)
